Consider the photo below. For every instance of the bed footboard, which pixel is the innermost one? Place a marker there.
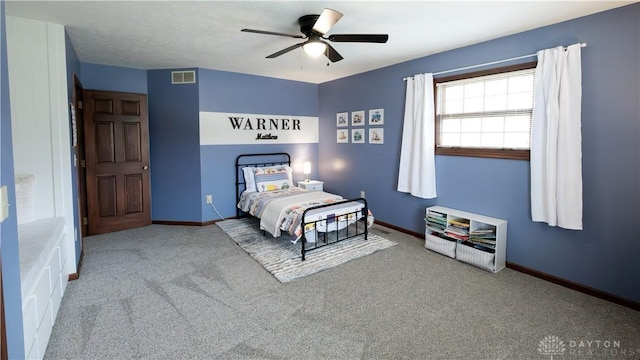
(310, 228)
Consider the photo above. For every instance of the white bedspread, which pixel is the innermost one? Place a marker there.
(276, 210)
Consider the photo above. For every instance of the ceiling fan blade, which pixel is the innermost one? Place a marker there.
(272, 33)
(365, 38)
(332, 54)
(327, 19)
(284, 51)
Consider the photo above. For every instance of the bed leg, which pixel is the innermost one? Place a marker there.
(303, 239)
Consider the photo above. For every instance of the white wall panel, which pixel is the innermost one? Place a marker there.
(27, 56)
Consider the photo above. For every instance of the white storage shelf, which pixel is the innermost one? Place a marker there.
(471, 238)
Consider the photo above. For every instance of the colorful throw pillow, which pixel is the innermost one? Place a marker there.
(273, 178)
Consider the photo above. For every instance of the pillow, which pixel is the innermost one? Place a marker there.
(249, 180)
(271, 178)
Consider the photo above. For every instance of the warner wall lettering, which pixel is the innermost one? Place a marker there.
(235, 128)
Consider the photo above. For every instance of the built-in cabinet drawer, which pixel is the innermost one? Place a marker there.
(30, 323)
(42, 294)
(42, 302)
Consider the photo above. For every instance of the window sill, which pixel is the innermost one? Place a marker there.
(485, 153)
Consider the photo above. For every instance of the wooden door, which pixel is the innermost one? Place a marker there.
(116, 134)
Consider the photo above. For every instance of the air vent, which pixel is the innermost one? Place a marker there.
(183, 77)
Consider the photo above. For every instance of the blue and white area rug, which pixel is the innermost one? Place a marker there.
(283, 259)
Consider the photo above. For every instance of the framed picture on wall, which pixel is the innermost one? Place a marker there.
(342, 119)
(343, 136)
(376, 136)
(357, 136)
(376, 117)
(357, 118)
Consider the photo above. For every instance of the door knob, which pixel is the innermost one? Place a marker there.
(145, 167)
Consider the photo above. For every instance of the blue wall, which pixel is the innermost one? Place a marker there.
(182, 171)
(113, 78)
(9, 227)
(175, 149)
(232, 92)
(603, 256)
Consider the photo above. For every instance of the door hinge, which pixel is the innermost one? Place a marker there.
(83, 163)
(85, 221)
(80, 105)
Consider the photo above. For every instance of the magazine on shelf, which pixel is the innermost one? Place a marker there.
(460, 222)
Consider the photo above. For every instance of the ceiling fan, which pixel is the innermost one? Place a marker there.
(314, 28)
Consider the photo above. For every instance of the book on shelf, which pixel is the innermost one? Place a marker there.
(436, 214)
(436, 226)
(442, 236)
(485, 244)
(437, 221)
(483, 236)
(456, 233)
(480, 247)
(483, 231)
(480, 240)
(464, 223)
(457, 237)
(457, 230)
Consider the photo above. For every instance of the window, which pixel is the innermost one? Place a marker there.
(485, 113)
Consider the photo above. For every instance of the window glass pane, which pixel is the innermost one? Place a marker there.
(493, 124)
(495, 102)
(453, 107)
(450, 139)
(473, 90)
(517, 141)
(495, 87)
(470, 125)
(474, 104)
(521, 83)
(454, 92)
(517, 123)
(493, 140)
(523, 100)
(450, 125)
(470, 139)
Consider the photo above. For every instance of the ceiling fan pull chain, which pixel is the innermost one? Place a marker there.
(326, 51)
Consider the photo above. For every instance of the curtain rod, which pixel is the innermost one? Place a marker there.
(486, 64)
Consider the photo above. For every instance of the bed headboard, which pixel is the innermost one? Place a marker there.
(256, 160)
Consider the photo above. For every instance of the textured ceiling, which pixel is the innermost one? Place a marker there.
(206, 34)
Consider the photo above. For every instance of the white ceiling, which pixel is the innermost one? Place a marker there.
(206, 34)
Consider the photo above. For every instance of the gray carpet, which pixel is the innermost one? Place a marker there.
(175, 292)
(283, 259)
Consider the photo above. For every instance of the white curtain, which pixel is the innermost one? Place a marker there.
(417, 172)
(556, 151)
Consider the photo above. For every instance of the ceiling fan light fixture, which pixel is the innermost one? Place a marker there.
(314, 48)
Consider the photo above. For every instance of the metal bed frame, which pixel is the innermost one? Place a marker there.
(322, 239)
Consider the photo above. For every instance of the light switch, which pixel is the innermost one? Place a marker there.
(4, 203)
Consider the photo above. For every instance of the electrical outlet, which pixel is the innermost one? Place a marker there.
(362, 194)
(209, 199)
